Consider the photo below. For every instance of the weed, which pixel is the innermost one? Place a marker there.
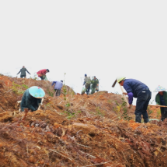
(25, 86)
(50, 93)
(35, 77)
(99, 112)
(149, 111)
(158, 114)
(71, 115)
(17, 89)
(67, 105)
(64, 88)
(122, 110)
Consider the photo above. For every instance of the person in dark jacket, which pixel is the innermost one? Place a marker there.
(139, 90)
(161, 99)
(32, 98)
(23, 72)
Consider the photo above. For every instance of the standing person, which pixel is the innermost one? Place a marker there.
(135, 88)
(22, 72)
(32, 98)
(95, 85)
(161, 99)
(57, 85)
(87, 82)
(42, 73)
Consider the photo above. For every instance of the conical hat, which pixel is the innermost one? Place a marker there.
(36, 92)
(160, 89)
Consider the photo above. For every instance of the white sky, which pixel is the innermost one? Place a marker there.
(103, 38)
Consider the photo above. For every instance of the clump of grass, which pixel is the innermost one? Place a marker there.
(122, 110)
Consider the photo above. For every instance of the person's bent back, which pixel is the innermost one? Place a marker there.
(42, 73)
(57, 85)
(32, 98)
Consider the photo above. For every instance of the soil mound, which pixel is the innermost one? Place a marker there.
(76, 130)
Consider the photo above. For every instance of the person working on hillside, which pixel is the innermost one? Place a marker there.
(95, 84)
(22, 72)
(135, 88)
(87, 82)
(161, 99)
(32, 98)
(57, 85)
(42, 73)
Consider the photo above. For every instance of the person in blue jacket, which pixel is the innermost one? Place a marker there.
(32, 98)
(57, 85)
(139, 90)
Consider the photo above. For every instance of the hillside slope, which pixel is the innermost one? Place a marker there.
(76, 130)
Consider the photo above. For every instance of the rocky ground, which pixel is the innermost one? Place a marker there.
(76, 130)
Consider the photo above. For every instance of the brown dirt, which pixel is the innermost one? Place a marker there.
(82, 130)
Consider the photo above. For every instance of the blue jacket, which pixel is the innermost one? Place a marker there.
(134, 86)
(58, 84)
(29, 101)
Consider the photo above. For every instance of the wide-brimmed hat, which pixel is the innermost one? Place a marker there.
(160, 89)
(36, 92)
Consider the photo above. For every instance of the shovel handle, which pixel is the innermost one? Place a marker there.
(125, 98)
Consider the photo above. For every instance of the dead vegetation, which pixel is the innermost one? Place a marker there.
(78, 131)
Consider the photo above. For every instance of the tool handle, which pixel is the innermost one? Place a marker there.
(157, 106)
(125, 98)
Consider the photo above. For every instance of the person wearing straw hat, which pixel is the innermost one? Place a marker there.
(161, 99)
(135, 88)
(32, 98)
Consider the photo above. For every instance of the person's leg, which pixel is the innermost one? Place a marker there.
(92, 90)
(138, 111)
(145, 114)
(42, 78)
(88, 90)
(165, 113)
(55, 92)
(162, 114)
(23, 76)
(141, 106)
(58, 93)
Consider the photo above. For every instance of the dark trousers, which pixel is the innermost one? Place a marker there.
(87, 86)
(22, 76)
(58, 91)
(163, 113)
(42, 77)
(141, 105)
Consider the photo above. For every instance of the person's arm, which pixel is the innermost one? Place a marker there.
(53, 84)
(27, 71)
(18, 72)
(130, 97)
(84, 82)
